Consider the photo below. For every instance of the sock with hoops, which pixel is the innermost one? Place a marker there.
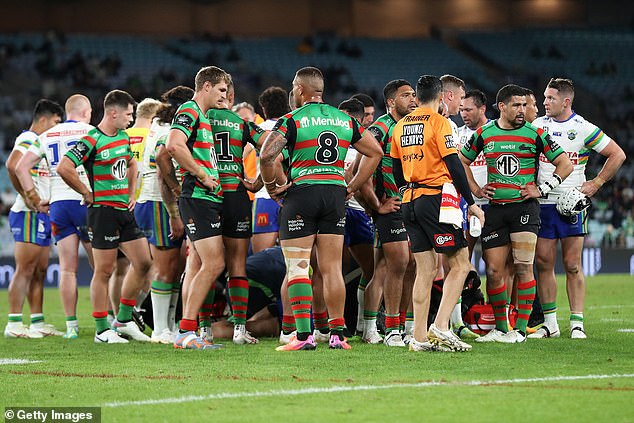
(498, 299)
(238, 287)
(300, 292)
(288, 323)
(320, 321)
(392, 322)
(525, 296)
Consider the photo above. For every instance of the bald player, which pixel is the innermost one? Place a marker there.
(68, 215)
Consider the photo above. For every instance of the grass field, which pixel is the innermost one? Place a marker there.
(553, 380)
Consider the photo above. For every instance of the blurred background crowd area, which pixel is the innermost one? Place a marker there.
(579, 44)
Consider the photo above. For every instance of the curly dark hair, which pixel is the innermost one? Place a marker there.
(172, 99)
(274, 102)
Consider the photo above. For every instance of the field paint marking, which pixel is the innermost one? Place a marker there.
(602, 307)
(625, 330)
(6, 361)
(285, 392)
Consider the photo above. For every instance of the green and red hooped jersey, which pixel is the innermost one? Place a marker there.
(384, 182)
(105, 159)
(318, 138)
(512, 157)
(231, 135)
(194, 124)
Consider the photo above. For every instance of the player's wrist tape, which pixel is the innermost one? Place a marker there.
(268, 182)
(598, 181)
(172, 210)
(549, 185)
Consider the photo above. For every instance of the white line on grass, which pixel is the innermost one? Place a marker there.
(625, 330)
(7, 361)
(602, 307)
(288, 392)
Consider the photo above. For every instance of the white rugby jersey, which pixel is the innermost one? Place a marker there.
(53, 145)
(39, 172)
(479, 165)
(577, 137)
(150, 185)
(351, 156)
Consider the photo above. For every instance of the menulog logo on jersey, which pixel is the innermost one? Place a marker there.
(305, 122)
(444, 240)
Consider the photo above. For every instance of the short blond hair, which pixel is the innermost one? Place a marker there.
(147, 108)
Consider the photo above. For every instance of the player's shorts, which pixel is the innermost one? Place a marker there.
(68, 217)
(265, 216)
(154, 221)
(556, 226)
(30, 227)
(425, 231)
(202, 218)
(236, 215)
(108, 227)
(359, 228)
(313, 209)
(501, 220)
(389, 228)
(266, 271)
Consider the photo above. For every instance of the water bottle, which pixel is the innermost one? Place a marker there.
(475, 228)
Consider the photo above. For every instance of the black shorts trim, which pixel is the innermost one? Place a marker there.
(108, 227)
(313, 209)
(202, 218)
(425, 231)
(502, 220)
(237, 210)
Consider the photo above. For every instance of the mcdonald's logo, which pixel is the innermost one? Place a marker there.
(262, 219)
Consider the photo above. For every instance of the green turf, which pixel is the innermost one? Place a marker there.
(80, 373)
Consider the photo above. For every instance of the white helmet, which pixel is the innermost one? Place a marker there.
(572, 202)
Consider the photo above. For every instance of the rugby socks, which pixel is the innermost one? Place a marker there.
(402, 317)
(456, 315)
(300, 292)
(15, 320)
(525, 296)
(321, 321)
(498, 298)
(161, 294)
(576, 320)
(238, 287)
(187, 325)
(110, 316)
(126, 306)
(204, 315)
(171, 314)
(37, 320)
(71, 322)
(336, 326)
(101, 321)
(361, 302)
(288, 323)
(550, 315)
(392, 322)
(409, 323)
(369, 321)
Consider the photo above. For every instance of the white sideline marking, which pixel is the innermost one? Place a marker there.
(286, 392)
(6, 361)
(601, 307)
(625, 330)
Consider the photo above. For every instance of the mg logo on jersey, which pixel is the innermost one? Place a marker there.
(120, 169)
(507, 165)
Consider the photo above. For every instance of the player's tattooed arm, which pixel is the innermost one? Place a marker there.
(272, 147)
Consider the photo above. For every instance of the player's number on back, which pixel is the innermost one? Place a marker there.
(54, 153)
(327, 148)
(223, 139)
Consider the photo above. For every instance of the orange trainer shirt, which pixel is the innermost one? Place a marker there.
(420, 140)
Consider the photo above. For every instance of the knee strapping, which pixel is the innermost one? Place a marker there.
(523, 247)
(297, 262)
